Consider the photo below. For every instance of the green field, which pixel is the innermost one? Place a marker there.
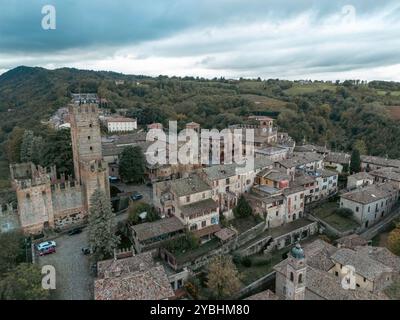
(263, 102)
(325, 212)
(392, 93)
(299, 89)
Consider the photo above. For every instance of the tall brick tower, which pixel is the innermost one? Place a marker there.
(91, 171)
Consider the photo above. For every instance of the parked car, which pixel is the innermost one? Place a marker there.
(46, 245)
(136, 196)
(113, 179)
(86, 251)
(46, 251)
(75, 231)
(93, 269)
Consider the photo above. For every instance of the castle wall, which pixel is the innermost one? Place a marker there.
(68, 205)
(47, 202)
(35, 208)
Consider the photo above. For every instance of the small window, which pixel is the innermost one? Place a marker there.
(291, 277)
(91, 148)
(88, 137)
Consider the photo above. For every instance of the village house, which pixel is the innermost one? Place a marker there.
(273, 178)
(190, 200)
(371, 163)
(120, 124)
(273, 154)
(359, 180)
(371, 203)
(337, 161)
(151, 235)
(301, 162)
(136, 277)
(318, 271)
(323, 150)
(387, 175)
(326, 183)
(270, 204)
(230, 181)
(317, 185)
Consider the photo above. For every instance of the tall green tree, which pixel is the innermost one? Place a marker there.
(23, 283)
(12, 250)
(243, 208)
(394, 240)
(26, 154)
(361, 146)
(137, 208)
(13, 145)
(132, 164)
(102, 227)
(58, 151)
(355, 162)
(222, 277)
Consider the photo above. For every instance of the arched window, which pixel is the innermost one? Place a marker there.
(291, 277)
(300, 280)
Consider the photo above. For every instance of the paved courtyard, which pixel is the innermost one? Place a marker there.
(73, 278)
(143, 189)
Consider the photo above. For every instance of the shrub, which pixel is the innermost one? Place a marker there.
(246, 262)
(344, 212)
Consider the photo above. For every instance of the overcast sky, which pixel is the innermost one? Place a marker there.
(287, 39)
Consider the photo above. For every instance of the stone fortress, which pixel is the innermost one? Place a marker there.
(48, 201)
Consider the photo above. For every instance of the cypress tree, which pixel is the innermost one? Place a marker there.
(101, 229)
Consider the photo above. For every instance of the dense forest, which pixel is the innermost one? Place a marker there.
(331, 113)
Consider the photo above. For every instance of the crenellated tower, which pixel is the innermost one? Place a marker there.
(91, 171)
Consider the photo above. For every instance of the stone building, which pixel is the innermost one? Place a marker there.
(370, 163)
(48, 201)
(372, 203)
(337, 161)
(136, 277)
(359, 180)
(322, 271)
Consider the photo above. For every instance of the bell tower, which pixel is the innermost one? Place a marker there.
(296, 274)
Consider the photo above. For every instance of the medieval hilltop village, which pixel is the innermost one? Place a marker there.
(288, 228)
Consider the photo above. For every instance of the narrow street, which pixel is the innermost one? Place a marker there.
(381, 225)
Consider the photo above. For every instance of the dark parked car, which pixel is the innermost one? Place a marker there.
(46, 251)
(86, 251)
(74, 231)
(93, 269)
(136, 196)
